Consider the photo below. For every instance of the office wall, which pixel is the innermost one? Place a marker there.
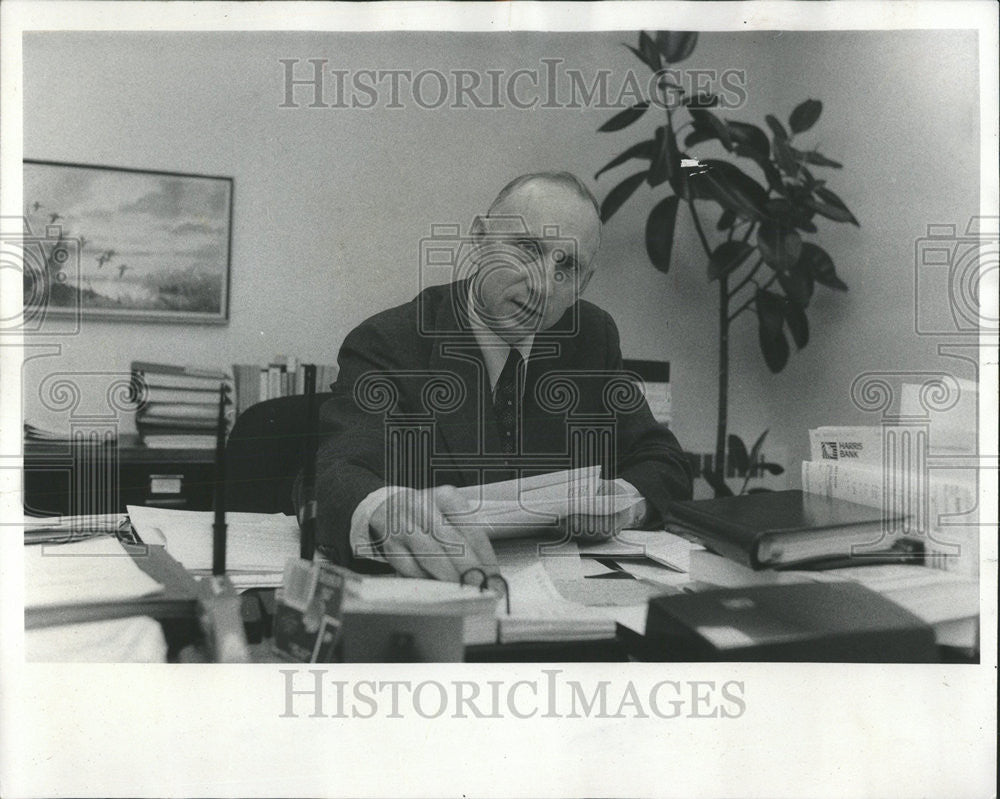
(330, 203)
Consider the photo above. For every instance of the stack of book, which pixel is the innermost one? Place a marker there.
(180, 405)
(848, 463)
(282, 377)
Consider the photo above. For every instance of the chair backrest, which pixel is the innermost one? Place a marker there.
(264, 453)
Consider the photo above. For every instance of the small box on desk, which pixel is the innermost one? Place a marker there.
(806, 622)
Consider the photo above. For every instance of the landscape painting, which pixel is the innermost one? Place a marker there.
(126, 244)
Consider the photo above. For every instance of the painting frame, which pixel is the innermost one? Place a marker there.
(174, 229)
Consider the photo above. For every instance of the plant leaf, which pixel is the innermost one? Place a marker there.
(718, 485)
(776, 127)
(749, 141)
(676, 45)
(797, 283)
(699, 135)
(707, 121)
(738, 457)
(804, 115)
(644, 149)
(784, 157)
(732, 188)
(832, 199)
(773, 468)
(830, 211)
(820, 265)
(726, 257)
(798, 324)
(650, 54)
(625, 118)
(701, 100)
(780, 246)
(755, 449)
(619, 194)
(668, 159)
(770, 320)
(817, 158)
(726, 220)
(660, 232)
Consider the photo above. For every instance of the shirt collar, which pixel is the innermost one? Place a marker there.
(495, 349)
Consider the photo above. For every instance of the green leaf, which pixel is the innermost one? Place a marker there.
(780, 246)
(706, 120)
(676, 45)
(644, 149)
(660, 232)
(726, 257)
(820, 265)
(749, 141)
(798, 324)
(668, 159)
(625, 118)
(619, 194)
(776, 127)
(804, 115)
(732, 188)
(738, 457)
(701, 100)
(773, 468)
(832, 199)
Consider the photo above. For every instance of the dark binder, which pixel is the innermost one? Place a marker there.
(814, 622)
(782, 529)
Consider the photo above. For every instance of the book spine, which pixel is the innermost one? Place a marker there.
(851, 444)
(263, 384)
(951, 546)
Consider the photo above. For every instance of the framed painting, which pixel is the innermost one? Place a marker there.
(127, 244)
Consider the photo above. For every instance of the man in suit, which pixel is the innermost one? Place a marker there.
(483, 379)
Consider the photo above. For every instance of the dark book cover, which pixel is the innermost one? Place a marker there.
(801, 622)
(775, 528)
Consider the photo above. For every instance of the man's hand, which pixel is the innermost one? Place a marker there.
(599, 526)
(418, 540)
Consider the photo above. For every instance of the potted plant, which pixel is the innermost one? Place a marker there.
(758, 254)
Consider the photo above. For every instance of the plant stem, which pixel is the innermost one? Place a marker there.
(750, 301)
(698, 228)
(723, 409)
(748, 278)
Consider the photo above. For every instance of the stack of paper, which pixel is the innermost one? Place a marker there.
(92, 571)
(527, 505)
(257, 544)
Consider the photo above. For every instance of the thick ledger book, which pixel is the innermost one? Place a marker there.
(805, 622)
(781, 529)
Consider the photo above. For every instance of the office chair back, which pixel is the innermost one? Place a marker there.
(264, 453)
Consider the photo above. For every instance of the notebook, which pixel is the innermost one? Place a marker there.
(780, 529)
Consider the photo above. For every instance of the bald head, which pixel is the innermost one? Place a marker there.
(538, 243)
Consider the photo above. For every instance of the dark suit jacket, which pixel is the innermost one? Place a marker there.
(412, 378)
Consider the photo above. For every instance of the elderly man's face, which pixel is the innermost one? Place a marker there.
(526, 281)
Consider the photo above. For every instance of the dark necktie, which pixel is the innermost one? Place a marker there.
(507, 400)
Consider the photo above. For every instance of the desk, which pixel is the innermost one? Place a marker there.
(71, 479)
